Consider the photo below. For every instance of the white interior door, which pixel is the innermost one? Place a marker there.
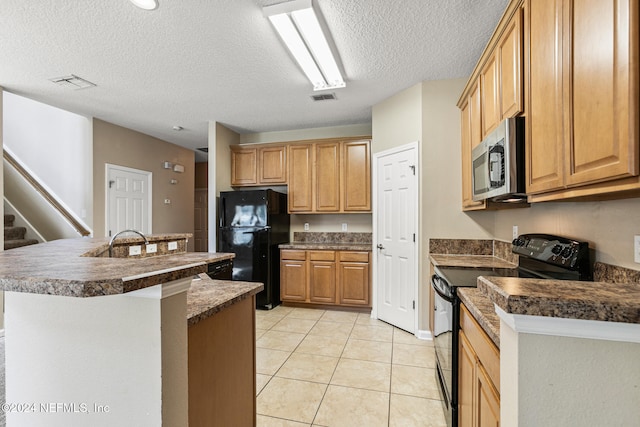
(396, 233)
(128, 200)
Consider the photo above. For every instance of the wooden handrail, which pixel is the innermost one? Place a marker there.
(47, 196)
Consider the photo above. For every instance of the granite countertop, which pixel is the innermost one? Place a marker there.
(59, 268)
(482, 309)
(305, 246)
(207, 296)
(565, 299)
(471, 261)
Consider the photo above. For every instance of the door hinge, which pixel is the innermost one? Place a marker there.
(414, 304)
(413, 168)
(414, 237)
(111, 182)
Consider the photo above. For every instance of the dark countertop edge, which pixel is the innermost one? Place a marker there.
(247, 290)
(480, 261)
(328, 246)
(482, 309)
(580, 309)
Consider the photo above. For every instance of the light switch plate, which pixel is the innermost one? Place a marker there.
(135, 250)
(306, 226)
(152, 248)
(636, 248)
(344, 226)
(173, 246)
(514, 232)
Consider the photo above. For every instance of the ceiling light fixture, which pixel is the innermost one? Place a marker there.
(298, 26)
(146, 4)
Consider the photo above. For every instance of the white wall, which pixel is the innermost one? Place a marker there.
(56, 146)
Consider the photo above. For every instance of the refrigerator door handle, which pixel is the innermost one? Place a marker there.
(265, 228)
(223, 211)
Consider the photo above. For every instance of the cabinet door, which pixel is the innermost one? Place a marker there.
(602, 108)
(357, 176)
(272, 165)
(327, 177)
(490, 95)
(544, 141)
(510, 54)
(322, 282)
(244, 166)
(467, 184)
(300, 178)
(488, 400)
(354, 283)
(466, 381)
(475, 116)
(293, 280)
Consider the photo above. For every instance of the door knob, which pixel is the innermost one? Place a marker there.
(380, 246)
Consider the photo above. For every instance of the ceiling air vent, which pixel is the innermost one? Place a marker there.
(323, 97)
(72, 82)
(203, 149)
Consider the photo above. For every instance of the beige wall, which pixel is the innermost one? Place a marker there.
(311, 133)
(125, 147)
(397, 121)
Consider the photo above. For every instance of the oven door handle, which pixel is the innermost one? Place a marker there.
(447, 298)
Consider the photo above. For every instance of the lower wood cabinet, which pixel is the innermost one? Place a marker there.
(325, 277)
(478, 375)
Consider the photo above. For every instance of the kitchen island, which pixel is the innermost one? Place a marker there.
(93, 340)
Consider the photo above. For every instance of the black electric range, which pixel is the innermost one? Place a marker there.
(541, 256)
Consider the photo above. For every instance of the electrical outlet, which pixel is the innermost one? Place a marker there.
(152, 248)
(306, 226)
(344, 226)
(135, 250)
(172, 246)
(636, 248)
(167, 201)
(514, 232)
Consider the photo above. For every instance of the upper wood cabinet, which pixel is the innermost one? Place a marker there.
(509, 52)
(330, 177)
(583, 98)
(467, 137)
(490, 95)
(252, 165)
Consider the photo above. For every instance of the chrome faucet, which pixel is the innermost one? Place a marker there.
(146, 242)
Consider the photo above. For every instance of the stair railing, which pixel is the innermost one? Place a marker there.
(47, 196)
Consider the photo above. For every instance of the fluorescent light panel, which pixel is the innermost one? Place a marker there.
(296, 20)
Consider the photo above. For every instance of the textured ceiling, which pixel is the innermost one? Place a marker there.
(192, 61)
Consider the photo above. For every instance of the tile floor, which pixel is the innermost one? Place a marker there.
(338, 368)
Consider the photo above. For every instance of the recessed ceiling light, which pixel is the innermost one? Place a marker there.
(146, 4)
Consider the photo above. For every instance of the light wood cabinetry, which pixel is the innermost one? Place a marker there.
(221, 367)
(325, 277)
(330, 177)
(490, 95)
(583, 98)
(252, 165)
(509, 50)
(470, 138)
(478, 376)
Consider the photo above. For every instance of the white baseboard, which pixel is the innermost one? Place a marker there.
(424, 335)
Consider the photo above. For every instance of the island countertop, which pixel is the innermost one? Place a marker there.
(63, 267)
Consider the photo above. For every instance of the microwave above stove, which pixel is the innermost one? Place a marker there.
(498, 164)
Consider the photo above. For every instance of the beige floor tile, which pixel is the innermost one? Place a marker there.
(281, 309)
(414, 355)
(322, 345)
(348, 407)
(290, 399)
(403, 337)
(331, 329)
(259, 333)
(362, 374)
(372, 333)
(374, 351)
(265, 322)
(414, 381)
(261, 381)
(291, 324)
(308, 367)
(264, 421)
(277, 340)
(269, 361)
(366, 320)
(340, 316)
(306, 313)
(409, 411)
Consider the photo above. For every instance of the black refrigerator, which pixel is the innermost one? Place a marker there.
(252, 225)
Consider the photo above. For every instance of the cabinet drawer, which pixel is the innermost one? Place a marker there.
(292, 254)
(354, 256)
(322, 255)
(487, 352)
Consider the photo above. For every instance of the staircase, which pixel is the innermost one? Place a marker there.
(14, 236)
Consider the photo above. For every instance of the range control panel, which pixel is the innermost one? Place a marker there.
(555, 250)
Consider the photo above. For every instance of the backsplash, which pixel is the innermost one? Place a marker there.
(503, 250)
(460, 247)
(614, 274)
(321, 237)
